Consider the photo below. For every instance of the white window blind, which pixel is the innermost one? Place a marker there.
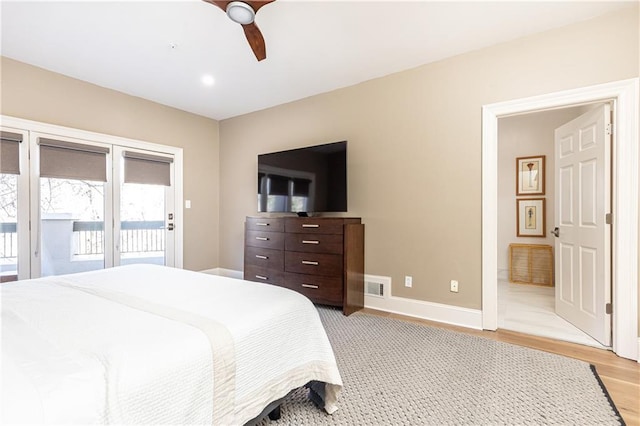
(70, 160)
(10, 152)
(147, 169)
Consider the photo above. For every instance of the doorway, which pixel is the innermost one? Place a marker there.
(528, 305)
(624, 95)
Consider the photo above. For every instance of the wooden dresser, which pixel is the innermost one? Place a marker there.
(322, 258)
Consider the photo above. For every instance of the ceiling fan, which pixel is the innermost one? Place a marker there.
(243, 13)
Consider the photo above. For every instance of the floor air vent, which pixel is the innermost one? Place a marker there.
(373, 288)
(377, 286)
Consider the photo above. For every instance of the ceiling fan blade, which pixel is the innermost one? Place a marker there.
(221, 4)
(255, 39)
(251, 31)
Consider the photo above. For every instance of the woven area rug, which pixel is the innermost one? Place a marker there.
(400, 373)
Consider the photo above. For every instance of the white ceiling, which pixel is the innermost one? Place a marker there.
(312, 46)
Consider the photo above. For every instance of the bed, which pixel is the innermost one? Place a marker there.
(146, 344)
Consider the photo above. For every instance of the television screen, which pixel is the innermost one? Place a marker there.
(311, 179)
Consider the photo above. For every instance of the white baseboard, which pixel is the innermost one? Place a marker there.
(638, 349)
(448, 314)
(231, 273)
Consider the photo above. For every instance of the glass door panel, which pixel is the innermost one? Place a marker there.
(14, 205)
(142, 224)
(144, 216)
(8, 227)
(72, 231)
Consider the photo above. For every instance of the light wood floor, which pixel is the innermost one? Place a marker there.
(621, 376)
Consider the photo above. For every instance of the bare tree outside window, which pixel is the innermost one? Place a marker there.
(84, 199)
(8, 197)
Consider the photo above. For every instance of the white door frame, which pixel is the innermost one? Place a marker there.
(625, 97)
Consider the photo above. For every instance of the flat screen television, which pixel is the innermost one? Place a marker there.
(304, 180)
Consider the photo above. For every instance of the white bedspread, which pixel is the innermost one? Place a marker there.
(145, 344)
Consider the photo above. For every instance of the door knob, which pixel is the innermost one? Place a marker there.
(556, 231)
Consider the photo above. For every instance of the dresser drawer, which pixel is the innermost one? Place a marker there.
(313, 263)
(264, 258)
(327, 290)
(263, 275)
(270, 240)
(314, 243)
(269, 224)
(309, 225)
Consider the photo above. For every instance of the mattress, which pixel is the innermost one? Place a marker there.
(148, 344)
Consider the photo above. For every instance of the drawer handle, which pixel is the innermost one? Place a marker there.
(310, 262)
(310, 225)
(262, 224)
(309, 286)
(259, 256)
(310, 242)
(260, 277)
(262, 238)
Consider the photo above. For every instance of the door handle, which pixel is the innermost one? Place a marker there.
(556, 232)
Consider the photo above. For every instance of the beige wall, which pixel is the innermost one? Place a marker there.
(415, 148)
(36, 94)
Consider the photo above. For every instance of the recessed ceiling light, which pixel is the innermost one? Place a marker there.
(208, 80)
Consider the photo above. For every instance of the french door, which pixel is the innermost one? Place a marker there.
(14, 204)
(144, 208)
(71, 193)
(70, 205)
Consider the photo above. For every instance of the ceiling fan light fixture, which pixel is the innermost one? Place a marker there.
(240, 12)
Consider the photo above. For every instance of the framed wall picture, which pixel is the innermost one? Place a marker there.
(530, 175)
(531, 217)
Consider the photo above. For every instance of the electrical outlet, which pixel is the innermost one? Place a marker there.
(454, 286)
(408, 281)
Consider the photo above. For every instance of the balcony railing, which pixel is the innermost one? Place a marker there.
(8, 240)
(135, 237)
(88, 237)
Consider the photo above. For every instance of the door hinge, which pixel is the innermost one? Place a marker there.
(609, 129)
(608, 309)
(608, 218)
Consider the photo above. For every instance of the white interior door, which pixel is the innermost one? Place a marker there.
(583, 242)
